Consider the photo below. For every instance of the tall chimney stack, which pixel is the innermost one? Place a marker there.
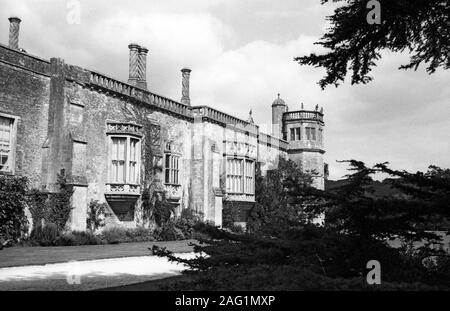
(134, 64)
(14, 29)
(142, 81)
(186, 74)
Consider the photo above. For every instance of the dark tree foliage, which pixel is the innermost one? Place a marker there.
(312, 258)
(284, 200)
(156, 206)
(286, 251)
(352, 208)
(13, 200)
(431, 189)
(60, 203)
(420, 27)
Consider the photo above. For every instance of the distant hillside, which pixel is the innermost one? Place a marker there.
(384, 189)
(381, 189)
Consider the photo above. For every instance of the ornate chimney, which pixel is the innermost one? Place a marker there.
(186, 74)
(142, 81)
(134, 64)
(14, 29)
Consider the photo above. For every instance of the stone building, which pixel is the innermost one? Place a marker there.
(117, 140)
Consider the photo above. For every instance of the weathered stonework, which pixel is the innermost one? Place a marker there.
(67, 116)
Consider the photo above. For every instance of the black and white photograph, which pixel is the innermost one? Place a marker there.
(224, 150)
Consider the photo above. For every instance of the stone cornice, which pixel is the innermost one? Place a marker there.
(297, 150)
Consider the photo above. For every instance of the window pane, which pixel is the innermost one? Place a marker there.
(133, 149)
(118, 149)
(167, 179)
(121, 149)
(114, 149)
(132, 173)
(297, 133)
(121, 172)
(292, 134)
(167, 161)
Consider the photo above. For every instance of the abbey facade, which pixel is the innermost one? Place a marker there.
(120, 143)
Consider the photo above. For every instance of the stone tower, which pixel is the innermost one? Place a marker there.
(279, 107)
(303, 129)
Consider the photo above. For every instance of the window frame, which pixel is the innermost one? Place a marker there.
(13, 142)
(176, 171)
(127, 180)
(298, 134)
(311, 133)
(245, 178)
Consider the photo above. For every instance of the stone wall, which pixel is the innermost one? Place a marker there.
(307, 153)
(24, 95)
(159, 129)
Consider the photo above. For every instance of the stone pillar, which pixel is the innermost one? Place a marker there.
(185, 97)
(142, 67)
(134, 64)
(217, 191)
(14, 29)
(78, 215)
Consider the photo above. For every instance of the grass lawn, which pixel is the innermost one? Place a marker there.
(26, 256)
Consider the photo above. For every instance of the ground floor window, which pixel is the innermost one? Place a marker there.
(6, 144)
(172, 169)
(240, 176)
(125, 159)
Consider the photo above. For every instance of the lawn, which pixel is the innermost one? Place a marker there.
(26, 256)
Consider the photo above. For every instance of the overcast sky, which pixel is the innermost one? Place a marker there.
(241, 53)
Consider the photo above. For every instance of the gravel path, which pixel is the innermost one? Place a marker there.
(89, 275)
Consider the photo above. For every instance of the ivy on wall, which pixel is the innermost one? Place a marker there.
(55, 208)
(13, 201)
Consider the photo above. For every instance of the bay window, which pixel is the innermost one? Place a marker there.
(125, 160)
(240, 176)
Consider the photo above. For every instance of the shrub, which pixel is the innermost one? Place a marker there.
(67, 239)
(13, 200)
(114, 235)
(86, 238)
(38, 205)
(45, 235)
(76, 238)
(96, 215)
(60, 204)
(140, 234)
(186, 223)
(52, 207)
(170, 232)
(235, 228)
